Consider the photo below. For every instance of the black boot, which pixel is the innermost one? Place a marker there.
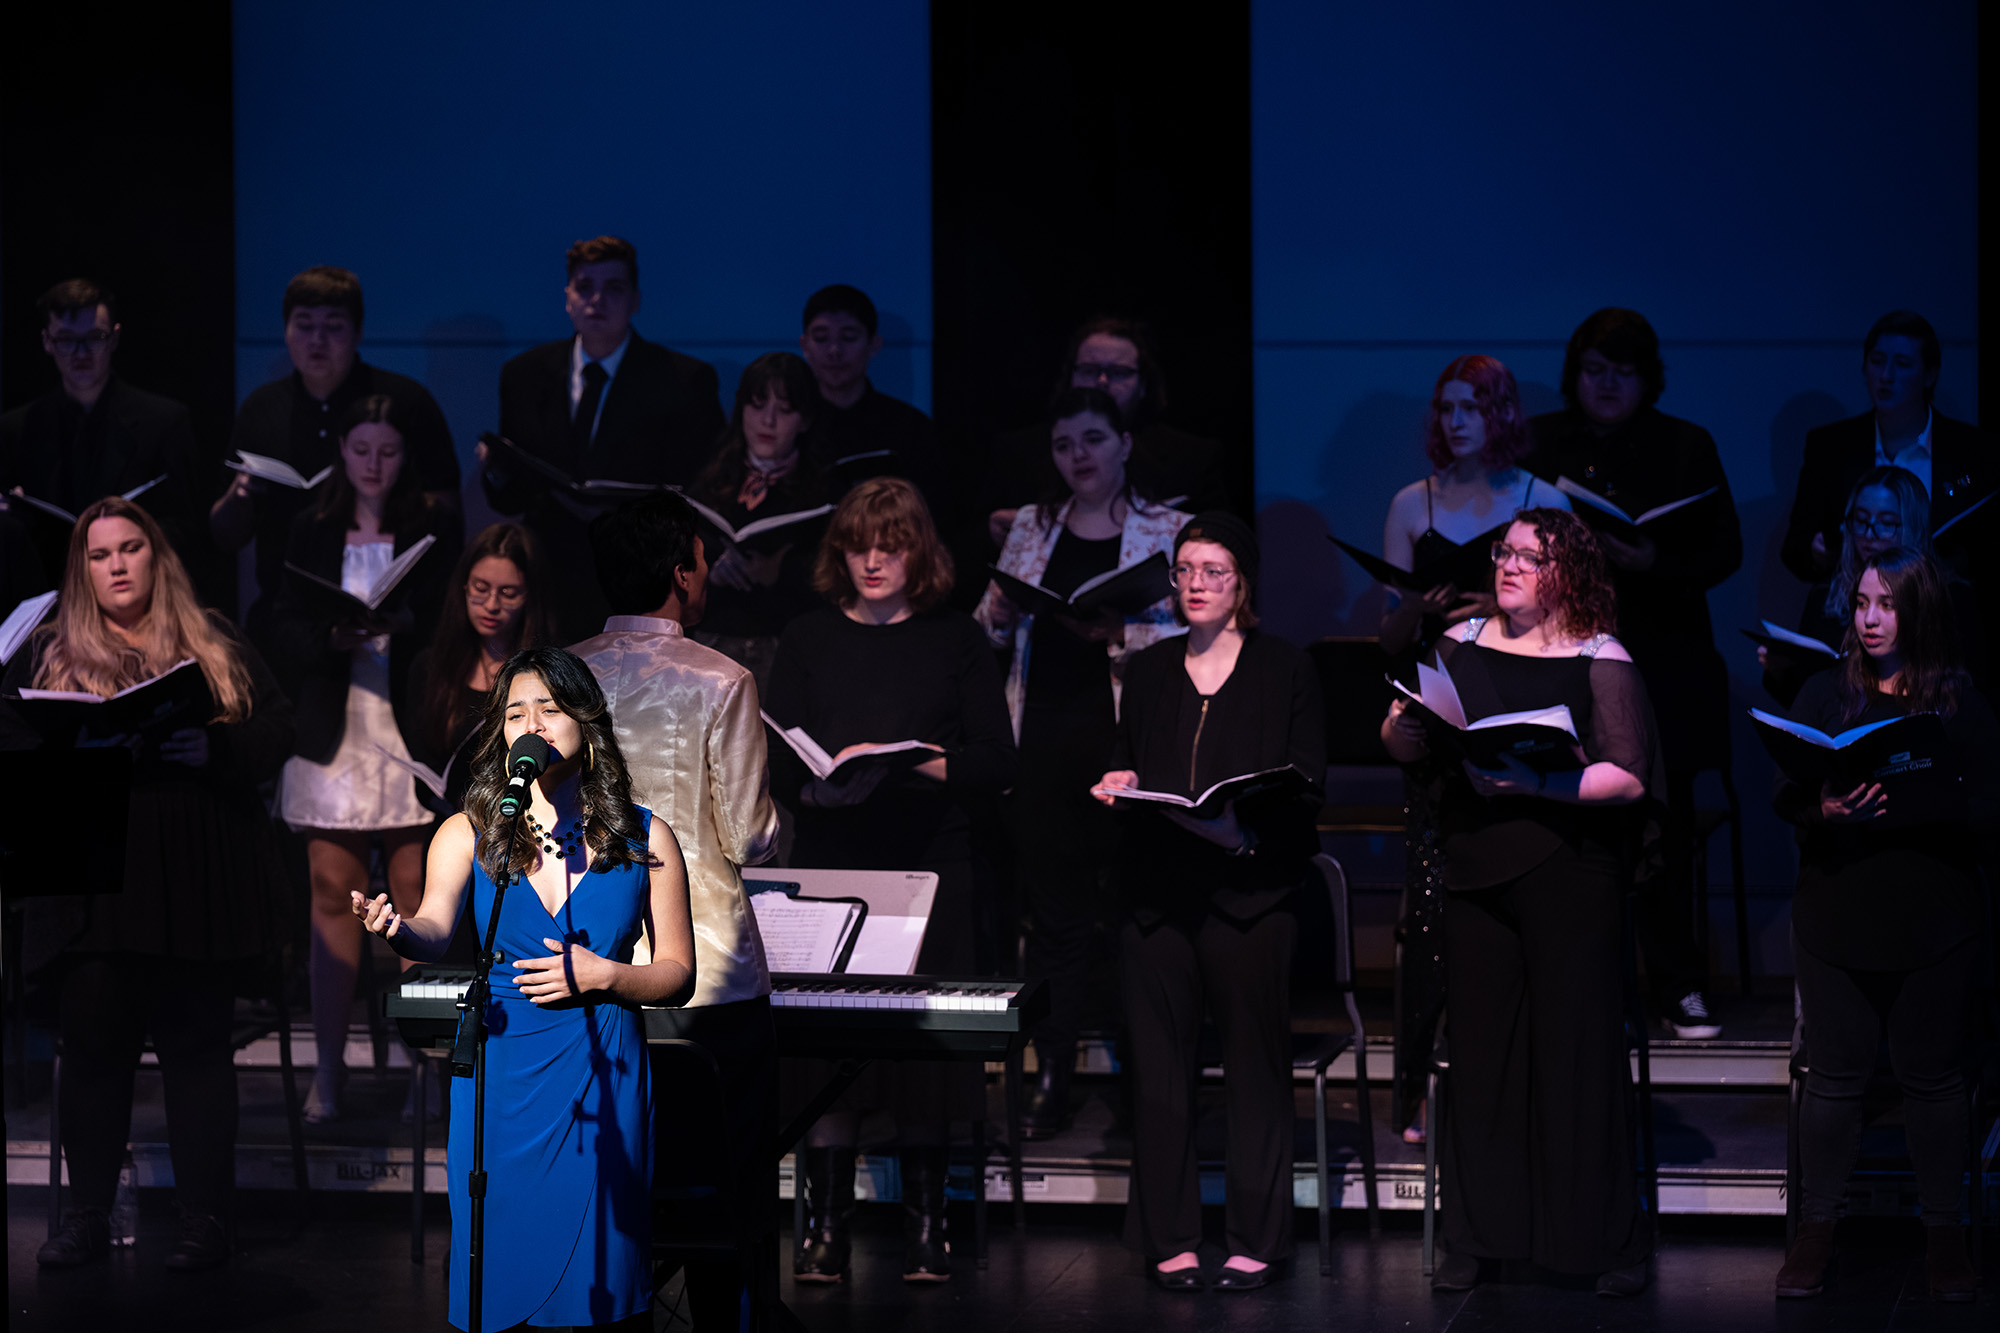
(829, 1185)
(926, 1257)
(1047, 1112)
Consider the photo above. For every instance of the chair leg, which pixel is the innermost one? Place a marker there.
(55, 1140)
(1433, 1128)
(1701, 898)
(798, 1196)
(1015, 1080)
(1364, 1107)
(1738, 888)
(1323, 1199)
(289, 1076)
(979, 1193)
(1793, 1207)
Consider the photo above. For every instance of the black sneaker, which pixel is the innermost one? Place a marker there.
(203, 1244)
(84, 1235)
(1689, 1019)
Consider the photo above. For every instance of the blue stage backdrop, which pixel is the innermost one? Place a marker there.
(450, 153)
(1762, 181)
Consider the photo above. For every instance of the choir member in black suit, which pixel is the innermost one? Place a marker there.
(886, 662)
(1953, 460)
(762, 469)
(199, 904)
(1887, 508)
(496, 603)
(1209, 920)
(1613, 440)
(345, 672)
(96, 435)
(860, 431)
(603, 405)
(1536, 1139)
(1114, 355)
(292, 420)
(1886, 922)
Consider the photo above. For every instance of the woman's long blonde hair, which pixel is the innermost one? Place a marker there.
(84, 653)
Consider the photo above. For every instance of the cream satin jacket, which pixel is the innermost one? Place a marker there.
(686, 718)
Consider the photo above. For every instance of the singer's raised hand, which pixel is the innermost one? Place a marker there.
(376, 914)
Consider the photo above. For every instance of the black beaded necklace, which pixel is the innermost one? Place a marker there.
(555, 841)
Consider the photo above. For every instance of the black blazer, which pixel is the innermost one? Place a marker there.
(1270, 712)
(144, 436)
(1962, 471)
(660, 420)
(313, 674)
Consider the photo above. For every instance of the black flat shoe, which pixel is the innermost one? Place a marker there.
(1181, 1279)
(84, 1235)
(1622, 1281)
(203, 1245)
(1458, 1272)
(1237, 1279)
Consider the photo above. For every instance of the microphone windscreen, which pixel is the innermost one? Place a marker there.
(531, 751)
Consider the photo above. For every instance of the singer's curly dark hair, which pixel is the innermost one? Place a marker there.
(612, 828)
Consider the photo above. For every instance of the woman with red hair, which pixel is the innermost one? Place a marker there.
(1536, 1136)
(1475, 437)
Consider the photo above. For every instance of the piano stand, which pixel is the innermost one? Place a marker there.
(843, 1078)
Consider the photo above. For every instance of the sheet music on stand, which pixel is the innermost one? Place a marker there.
(891, 931)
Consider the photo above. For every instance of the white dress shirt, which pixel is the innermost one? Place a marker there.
(1911, 457)
(577, 361)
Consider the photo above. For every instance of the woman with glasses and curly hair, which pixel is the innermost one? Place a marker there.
(598, 883)
(1537, 1140)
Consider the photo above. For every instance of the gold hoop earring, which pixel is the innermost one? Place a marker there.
(590, 758)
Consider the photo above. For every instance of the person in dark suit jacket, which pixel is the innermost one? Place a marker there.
(1613, 440)
(346, 673)
(1954, 460)
(861, 432)
(294, 421)
(604, 405)
(97, 435)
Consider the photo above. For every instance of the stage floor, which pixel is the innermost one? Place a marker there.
(348, 1268)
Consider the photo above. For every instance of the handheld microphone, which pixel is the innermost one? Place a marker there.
(525, 761)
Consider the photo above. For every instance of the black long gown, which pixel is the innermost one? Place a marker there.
(1538, 1156)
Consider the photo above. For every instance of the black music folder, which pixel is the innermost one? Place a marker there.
(1285, 780)
(1602, 514)
(1544, 739)
(1468, 566)
(1911, 757)
(152, 709)
(1125, 592)
(761, 535)
(594, 492)
(344, 603)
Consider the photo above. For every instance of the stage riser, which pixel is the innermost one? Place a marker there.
(386, 1171)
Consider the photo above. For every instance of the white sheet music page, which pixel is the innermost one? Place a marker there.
(1434, 687)
(802, 936)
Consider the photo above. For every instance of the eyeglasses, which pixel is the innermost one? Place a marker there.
(1882, 525)
(1605, 370)
(1213, 576)
(1532, 561)
(89, 342)
(1090, 371)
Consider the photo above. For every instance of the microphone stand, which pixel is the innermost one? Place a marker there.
(468, 1060)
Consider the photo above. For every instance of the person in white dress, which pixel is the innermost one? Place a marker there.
(345, 666)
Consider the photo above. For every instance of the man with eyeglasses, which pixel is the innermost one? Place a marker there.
(1179, 469)
(1613, 439)
(96, 435)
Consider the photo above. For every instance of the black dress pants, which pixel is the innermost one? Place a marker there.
(1924, 1012)
(740, 1037)
(1676, 962)
(109, 1002)
(1244, 974)
(1538, 1154)
(1064, 840)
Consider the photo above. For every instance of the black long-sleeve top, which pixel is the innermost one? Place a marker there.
(1267, 714)
(929, 678)
(1901, 898)
(203, 880)
(882, 436)
(1663, 619)
(282, 420)
(313, 673)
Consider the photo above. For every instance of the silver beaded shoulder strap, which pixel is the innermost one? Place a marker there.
(1593, 645)
(1473, 624)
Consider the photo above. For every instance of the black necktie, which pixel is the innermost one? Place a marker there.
(586, 413)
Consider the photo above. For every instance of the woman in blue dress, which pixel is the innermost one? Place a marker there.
(595, 925)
